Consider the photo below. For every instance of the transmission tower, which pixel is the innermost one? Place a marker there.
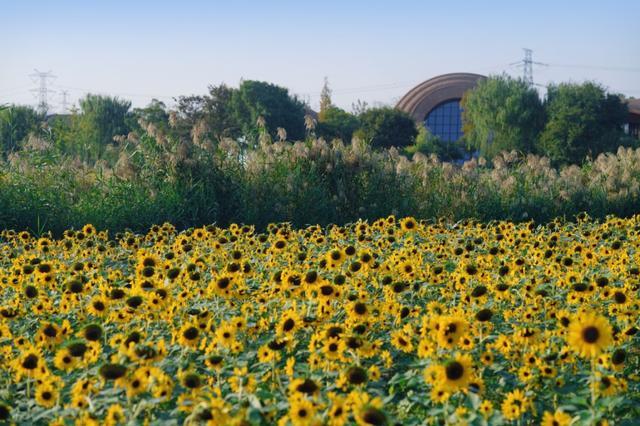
(65, 102)
(42, 91)
(527, 66)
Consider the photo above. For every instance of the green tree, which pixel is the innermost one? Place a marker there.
(16, 122)
(325, 100)
(101, 118)
(502, 114)
(428, 143)
(582, 120)
(215, 110)
(386, 127)
(155, 113)
(255, 99)
(337, 124)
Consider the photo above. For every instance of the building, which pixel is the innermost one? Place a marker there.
(436, 102)
(633, 125)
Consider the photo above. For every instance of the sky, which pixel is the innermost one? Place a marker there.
(374, 51)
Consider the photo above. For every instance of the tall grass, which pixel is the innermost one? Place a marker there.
(312, 182)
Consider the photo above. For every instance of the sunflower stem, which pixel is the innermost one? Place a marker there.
(592, 384)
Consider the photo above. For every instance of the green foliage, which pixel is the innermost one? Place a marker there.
(254, 99)
(502, 114)
(582, 120)
(106, 117)
(304, 183)
(336, 123)
(386, 127)
(427, 144)
(89, 133)
(214, 112)
(155, 113)
(16, 122)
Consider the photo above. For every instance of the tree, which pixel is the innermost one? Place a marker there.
(255, 99)
(16, 122)
(214, 110)
(428, 143)
(502, 114)
(386, 127)
(337, 124)
(325, 100)
(582, 119)
(105, 117)
(155, 113)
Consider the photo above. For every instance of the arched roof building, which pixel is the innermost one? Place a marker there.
(436, 102)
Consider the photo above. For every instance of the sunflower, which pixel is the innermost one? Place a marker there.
(303, 386)
(338, 411)
(267, 355)
(456, 373)
(28, 363)
(402, 341)
(136, 384)
(515, 405)
(557, 418)
(64, 360)
(226, 334)
(486, 408)
(408, 224)
(370, 415)
(333, 348)
(46, 394)
(115, 415)
(98, 306)
(302, 412)
(289, 323)
(189, 335)
(450, 329)
(589, 334)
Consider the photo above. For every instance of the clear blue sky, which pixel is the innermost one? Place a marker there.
(369, 50)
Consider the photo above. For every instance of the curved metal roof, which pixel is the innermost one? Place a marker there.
(430, 93)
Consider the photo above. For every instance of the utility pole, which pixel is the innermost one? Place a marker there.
(64, 102)
(527, 66)
(42, 91)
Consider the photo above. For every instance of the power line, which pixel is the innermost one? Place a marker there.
(596, 67)
(145, 95)
(42, 91)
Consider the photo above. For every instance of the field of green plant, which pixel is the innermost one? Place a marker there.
(383, 322)
(151, 180)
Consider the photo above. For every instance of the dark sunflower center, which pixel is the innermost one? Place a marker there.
(46, 395)
(50, 331)
(373, 416)
(308, 387)
(356, 375)
(288, 325)
(620, 297)
(454, 370)
(192, 381)
(223, 283)
(30, 362)
(590, 334)
(190, 333)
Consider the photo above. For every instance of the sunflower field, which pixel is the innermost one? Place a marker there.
(387, 322)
